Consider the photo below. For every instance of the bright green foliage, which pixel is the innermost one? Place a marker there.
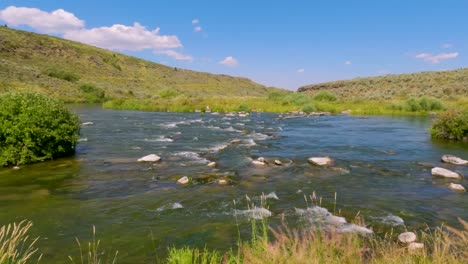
(244, 108)
(452, 125)
(325, 96)
(92, 93)
(35, 128)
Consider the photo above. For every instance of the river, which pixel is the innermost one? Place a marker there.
(381, 172)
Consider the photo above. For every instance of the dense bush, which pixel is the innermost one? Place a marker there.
(168, 93)
(451, 125)
(92, 93)
(325, 96)
(63, 75)
(423, 104)
(35, 128)
(309, 108)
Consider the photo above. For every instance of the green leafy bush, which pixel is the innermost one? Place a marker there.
(168, 93)
(63, 75)
(296, 99)
(423, 104)
(244, 108)
(92, 93)
(325, 96)
(452, 124)
(35, 128)
(309, 108)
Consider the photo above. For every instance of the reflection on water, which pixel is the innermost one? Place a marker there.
(382, 170)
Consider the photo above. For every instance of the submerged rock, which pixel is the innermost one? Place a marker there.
(321, 161)
(441, 172)
(223, 182)
(16, 167)
(454, 160)
(278, 162)
(211, 164)
(407, 237)
(150, 158)
(255, 213)
(457, 187)
(272, 195)
(257, 162)
(183, 180)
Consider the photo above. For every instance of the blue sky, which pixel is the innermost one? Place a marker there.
(278, 43)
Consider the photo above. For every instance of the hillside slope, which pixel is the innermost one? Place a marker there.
(446, 85)
(69, 70)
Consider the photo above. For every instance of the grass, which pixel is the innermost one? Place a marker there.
(274, 245)
(444, 85)
(285, 102)
(61, 68)
(16, 247)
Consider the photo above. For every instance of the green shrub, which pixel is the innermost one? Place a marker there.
(325, 96)
(309, 108)
(423, 104)
(244, 108)
(168, 93)
(35, 128)
(63, 75)
(452, 124)
(92, 93)
(276, 96)
(298, 99)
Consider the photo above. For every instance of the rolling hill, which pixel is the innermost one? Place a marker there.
(446, 85)
(75, 72)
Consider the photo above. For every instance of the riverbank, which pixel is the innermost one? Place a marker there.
(444, 245)
(287, 103)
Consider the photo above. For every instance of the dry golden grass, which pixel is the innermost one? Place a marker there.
(15, 245)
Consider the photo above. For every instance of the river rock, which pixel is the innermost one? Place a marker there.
(150, 158)
(321, 161)
(211, 164)
(257, 162)
(457, 187)
(441, 172)
(87, 124)
(454, 160)
(415, 246)
(346, 112)
(278, 162)
(236, 141)
(407, 237)
(223, 182)
(16, 167)
(183, 180)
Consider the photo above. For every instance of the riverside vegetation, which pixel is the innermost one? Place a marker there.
(35, 128)
(39, 63)
(267, 245)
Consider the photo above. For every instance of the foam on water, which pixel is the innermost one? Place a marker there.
(170, 206)
(82, 139)
(392, 220)
(271, 195)
(318, 216)
(159, 139)
(254, 213)
(192, 156)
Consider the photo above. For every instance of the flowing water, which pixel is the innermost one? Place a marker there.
(381, 170)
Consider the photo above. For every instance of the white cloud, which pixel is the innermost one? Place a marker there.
(348, 62)
(175, 55)
(436, 58)
(58, 21)
(195, 21)
(447, 46)
(300, 70)
(229, 61)
(122, 37)
(115, 37)
(197, 29)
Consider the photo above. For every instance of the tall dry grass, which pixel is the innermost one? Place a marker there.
(16, 247)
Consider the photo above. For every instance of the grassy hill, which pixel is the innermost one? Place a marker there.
(446, 85)
(76, 72)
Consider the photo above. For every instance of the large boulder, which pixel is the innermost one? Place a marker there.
(454, 160)
(150, 158)
(321, 161)
(441, 172)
